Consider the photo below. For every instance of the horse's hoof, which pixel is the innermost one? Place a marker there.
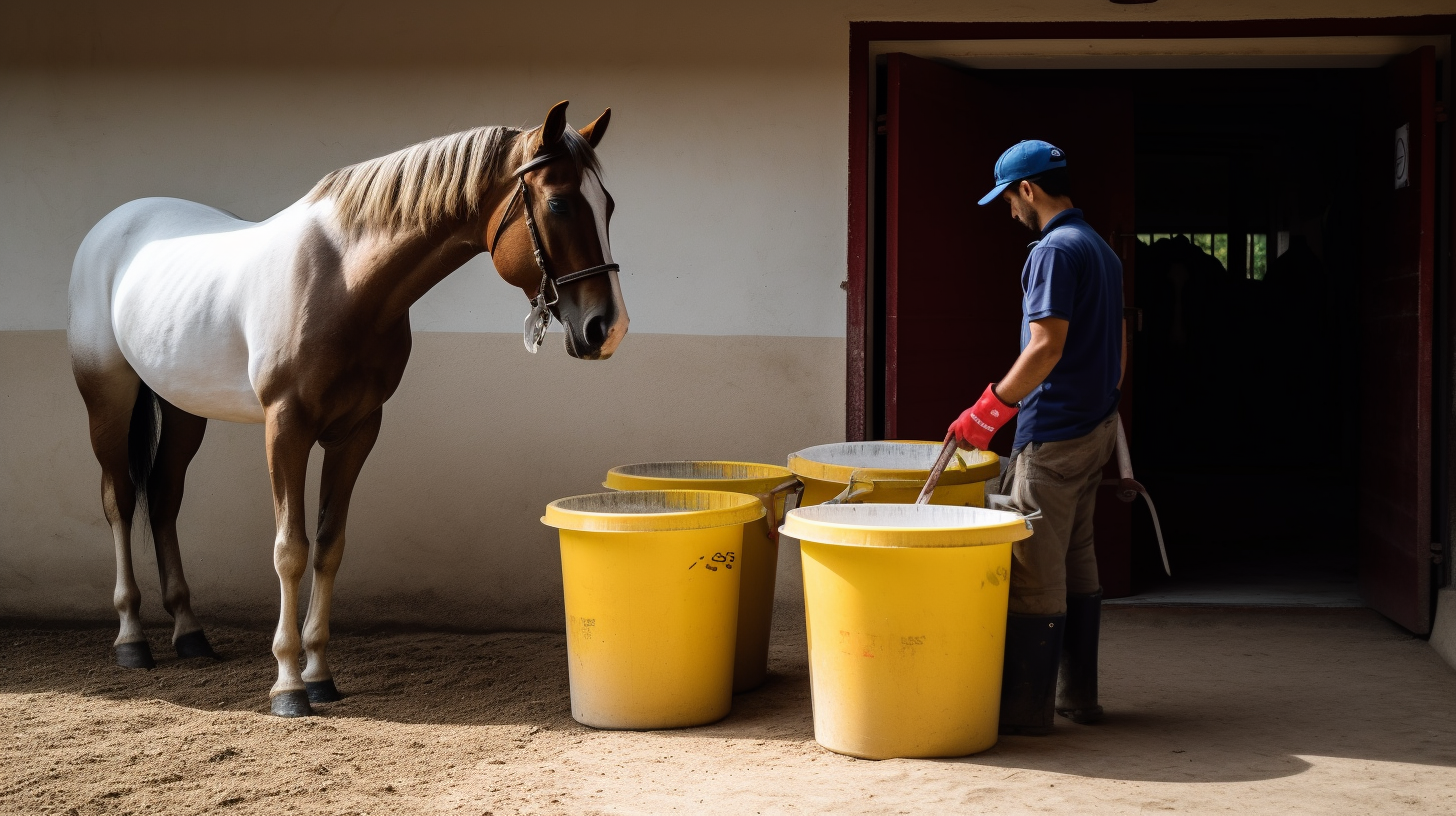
(291, 704)
(135, 655)
(322, 691)
(194, 644)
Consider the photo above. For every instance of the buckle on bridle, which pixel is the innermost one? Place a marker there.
(539, 319)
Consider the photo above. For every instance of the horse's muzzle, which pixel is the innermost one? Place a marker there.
(594, 316)
(596, 335)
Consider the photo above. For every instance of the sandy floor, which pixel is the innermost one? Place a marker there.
(1210, 711)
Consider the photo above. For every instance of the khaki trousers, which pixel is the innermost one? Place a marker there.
(1060, 479)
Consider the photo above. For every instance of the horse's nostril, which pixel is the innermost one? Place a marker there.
(595, 332)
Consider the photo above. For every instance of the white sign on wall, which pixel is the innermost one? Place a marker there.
(1402, 156)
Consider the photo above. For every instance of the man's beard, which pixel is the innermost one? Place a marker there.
(1031, 219)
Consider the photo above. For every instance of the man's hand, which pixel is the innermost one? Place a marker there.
(980, 422)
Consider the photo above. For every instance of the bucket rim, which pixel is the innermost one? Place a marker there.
(966, 467)
(1004, 527)
(768, 477)
(682, 510)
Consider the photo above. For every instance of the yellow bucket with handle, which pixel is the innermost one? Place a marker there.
(891, 472)
(906, 613)
(759, 557)
(651, 582)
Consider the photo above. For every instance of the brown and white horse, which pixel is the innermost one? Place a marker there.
(180, 313)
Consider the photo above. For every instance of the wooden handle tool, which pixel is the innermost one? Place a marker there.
(946, 453)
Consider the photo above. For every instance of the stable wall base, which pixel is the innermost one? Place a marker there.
(1443, 632)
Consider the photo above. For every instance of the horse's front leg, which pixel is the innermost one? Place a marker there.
(343, 459)
(290, 439)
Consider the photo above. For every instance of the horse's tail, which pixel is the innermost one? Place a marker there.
(141, 445)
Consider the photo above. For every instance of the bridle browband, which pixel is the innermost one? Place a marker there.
(541, 306)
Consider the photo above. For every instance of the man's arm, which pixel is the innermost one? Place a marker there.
(978, 423)
(1048, 338)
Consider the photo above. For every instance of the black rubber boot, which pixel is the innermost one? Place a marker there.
(1077, 679)
(1029, 677)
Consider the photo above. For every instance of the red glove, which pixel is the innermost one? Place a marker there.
(980, 422)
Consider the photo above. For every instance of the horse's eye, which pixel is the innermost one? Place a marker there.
(556, 205)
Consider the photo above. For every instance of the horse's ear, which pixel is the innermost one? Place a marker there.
(553, 128)
(594, 132)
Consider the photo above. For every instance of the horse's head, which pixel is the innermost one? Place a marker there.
(551, 241)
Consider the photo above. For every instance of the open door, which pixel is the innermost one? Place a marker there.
(1397, 296)
(953, 269)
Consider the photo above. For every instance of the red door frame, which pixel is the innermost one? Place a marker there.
(861, 34)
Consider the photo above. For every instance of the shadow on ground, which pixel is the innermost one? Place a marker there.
(1193, 695)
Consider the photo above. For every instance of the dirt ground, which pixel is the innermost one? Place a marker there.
(1331, 711)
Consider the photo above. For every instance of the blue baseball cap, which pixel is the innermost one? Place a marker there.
(1024, 160)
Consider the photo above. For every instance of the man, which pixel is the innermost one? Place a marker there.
(1066, 383)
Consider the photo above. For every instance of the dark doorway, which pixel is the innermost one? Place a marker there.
(1285, 359)
(1249, 221)
(1284, 285)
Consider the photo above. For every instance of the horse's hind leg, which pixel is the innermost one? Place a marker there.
(110, 399)
(181, 437)
(343, 459)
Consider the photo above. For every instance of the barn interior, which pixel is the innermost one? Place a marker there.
(1244, 213)
(1245, 385)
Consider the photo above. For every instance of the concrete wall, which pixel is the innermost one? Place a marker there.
(727, 160)
(444, 527)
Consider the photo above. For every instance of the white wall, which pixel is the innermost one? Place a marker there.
(727, 151)
(727, 157)
(709, 242)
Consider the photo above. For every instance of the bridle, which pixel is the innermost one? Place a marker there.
(541, 305)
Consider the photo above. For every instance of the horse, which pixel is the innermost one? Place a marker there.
(181, 313)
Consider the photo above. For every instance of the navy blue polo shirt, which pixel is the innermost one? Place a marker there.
(1073, 274)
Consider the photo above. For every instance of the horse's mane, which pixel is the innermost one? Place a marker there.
(423, 184)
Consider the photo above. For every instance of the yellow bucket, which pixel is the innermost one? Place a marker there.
(759, 557)
(891, 472)
(651, 584)
(906, 611)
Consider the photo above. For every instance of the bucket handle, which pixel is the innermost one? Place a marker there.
(858, 486)
(1000, 501)
(1028, 518)
(769, 498)
(862, 485)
